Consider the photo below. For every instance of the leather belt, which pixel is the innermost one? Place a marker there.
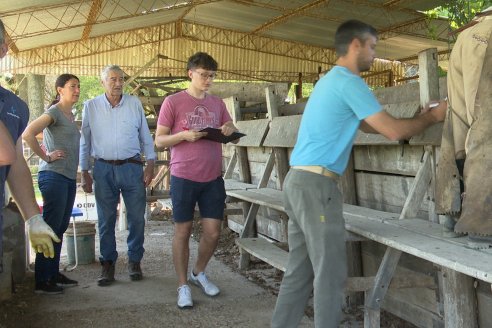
(318, 170)
(121, 161)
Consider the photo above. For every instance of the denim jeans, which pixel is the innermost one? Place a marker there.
(109, 181)
(58, 197)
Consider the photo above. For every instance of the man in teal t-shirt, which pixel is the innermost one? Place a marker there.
(340, 104)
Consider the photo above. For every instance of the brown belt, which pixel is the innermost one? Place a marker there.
(120, 161)
(318, 170)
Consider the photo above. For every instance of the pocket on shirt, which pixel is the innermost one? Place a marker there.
(129, 129)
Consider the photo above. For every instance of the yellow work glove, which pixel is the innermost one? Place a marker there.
(41, 236)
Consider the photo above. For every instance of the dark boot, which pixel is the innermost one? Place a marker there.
(135, 271)
(107, 273)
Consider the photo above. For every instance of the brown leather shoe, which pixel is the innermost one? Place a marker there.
(135, 271)
(107, 273)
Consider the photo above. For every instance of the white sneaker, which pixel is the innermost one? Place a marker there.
(184, 297)
(202, 281)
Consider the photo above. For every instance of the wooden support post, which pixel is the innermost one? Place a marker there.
(420, 184)
(428, 76)
(230, 166)
(240, 157)
(354, 255)
(232, 105)
(381, 283)
(429, 90)
(460, 310)
(281, 157)
(433, 216)
(249, 223)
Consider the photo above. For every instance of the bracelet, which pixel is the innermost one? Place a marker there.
(49, 158)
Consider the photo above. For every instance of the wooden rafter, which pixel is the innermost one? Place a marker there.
(11, 43)
(288, 15)
(391, 3)
(76, 6)
(91, 19)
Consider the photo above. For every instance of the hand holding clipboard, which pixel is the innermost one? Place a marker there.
(217, 136)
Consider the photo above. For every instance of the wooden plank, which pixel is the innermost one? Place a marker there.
(413, 201)
(353, 249)
(355, 284)
(431, 191)
(363, 212)
(231, 184)
(460, 310)
(291, 109)
(472, 262)
(151, 101)
(249, 227)
(388, 159)
(268, 197)
(484, 300)
(429, 91)
(230, 165)
(398, 110)
(381, 284)
(233, 211)
(265, 177)
(416, 313)
(272, 102)
(431, 136)
(255, 131)
(382, 189)
(281, 165)
(406, 92)
(422, 296)
(283, 131)
(265, 251)
(248, 91)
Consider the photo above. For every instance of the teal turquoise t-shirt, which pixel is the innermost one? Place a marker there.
(339, 102)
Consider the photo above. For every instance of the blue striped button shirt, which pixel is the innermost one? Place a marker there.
(114, 133)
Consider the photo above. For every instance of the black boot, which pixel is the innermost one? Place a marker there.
(107, 274)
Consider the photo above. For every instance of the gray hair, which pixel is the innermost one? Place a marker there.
(114, 68)
(2, 32)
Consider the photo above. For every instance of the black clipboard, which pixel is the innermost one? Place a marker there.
(217, 136)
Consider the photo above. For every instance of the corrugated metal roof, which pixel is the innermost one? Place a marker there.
(251, 37)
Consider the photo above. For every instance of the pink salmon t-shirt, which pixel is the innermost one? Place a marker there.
(199, 161)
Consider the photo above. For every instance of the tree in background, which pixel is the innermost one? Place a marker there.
(459, 12)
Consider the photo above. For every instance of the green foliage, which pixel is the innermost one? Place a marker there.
(307, 89)
(459, 12)
(90, 87)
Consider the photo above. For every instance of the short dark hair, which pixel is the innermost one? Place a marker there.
(202, 60)
(350, 30)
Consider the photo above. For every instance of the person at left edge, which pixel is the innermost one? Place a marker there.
(14, 116)
(115, 133)
(57, 175)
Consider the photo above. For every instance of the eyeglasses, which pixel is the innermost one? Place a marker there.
(206, 76)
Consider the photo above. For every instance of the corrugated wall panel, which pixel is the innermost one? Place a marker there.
(234, 63)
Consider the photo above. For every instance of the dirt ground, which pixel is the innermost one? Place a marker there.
(247, 298)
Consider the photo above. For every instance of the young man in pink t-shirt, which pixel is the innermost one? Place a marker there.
(196, 170)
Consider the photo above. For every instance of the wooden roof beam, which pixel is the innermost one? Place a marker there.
(288, 15)
(391, 3)
(11, 43)
(91, 18)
